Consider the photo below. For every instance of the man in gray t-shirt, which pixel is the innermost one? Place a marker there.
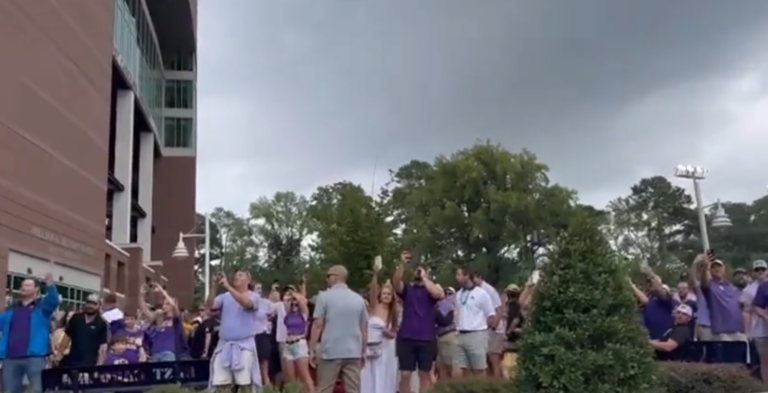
(341, 318)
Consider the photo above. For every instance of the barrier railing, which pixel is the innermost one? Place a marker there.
(193, 374)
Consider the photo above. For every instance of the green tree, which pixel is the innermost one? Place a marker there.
(239, 247)
(476, 205)
(281, 225)
(583, 334)
(350, 230)
(647, 224)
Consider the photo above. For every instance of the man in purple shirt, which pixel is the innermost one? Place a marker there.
(234, 361)
(722, 297)
(755, 325)
(24, 336)
(416, 341)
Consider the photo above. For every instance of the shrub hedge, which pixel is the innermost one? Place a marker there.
(708, 378)
(584, 333)
(674, 377)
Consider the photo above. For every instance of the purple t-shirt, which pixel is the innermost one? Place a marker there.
(761, 297)
(135, 339)
(125, 357)
(165, 337)
(418, 309)
(657, 316)
(724, 308)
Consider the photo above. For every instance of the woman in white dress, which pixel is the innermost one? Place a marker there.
(379, 375)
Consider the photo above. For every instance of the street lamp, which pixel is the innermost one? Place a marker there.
(181, 252)
(719, 218)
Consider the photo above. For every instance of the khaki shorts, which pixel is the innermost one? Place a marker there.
(331, 370)
(446, 345)
(496, 343)
(704, 333)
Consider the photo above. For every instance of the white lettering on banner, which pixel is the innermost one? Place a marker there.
(62, 241)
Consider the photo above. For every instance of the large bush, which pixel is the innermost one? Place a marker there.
(584, 334)
(708, 378)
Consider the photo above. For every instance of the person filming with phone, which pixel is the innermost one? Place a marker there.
(416, 342)
(234, 361)
(722, 298)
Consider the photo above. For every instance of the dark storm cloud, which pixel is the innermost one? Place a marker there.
(298, 93)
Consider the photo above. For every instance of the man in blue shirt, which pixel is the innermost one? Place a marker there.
(24, 332)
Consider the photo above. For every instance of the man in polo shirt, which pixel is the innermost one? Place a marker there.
(341, 318)
(755, 325)
(723, 299)
(416, 340)
(497, 328)
(24, 336)
(88, 334)
(475, 310)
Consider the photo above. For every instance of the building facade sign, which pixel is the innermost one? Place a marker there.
(63, 241)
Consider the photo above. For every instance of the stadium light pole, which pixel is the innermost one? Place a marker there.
(719, 219)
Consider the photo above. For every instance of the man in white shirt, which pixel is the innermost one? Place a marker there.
(475, 311)
(497, 328)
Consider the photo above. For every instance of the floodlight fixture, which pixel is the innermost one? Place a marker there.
(690, 172)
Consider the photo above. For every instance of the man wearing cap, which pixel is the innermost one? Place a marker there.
(722, 297)
(741, 278)
(24, 336)
(496, 328)
(88, 333)
(657, 306)
(756, 326)
(445, 320)
(341, 318)
(669, 345)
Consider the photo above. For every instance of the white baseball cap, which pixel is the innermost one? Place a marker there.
(684, 309)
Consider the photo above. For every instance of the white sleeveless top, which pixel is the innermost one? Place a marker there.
(376, 329)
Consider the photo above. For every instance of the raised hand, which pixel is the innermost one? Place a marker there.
(405, 257)
(221, 278)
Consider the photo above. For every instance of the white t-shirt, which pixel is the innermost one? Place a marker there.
(496, 303)
(281, 334)
(474, 307)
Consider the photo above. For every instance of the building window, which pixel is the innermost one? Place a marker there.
(179, 61)
(179, 94)
(72, 297)
(178, 132)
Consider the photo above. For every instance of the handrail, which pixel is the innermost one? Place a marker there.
(194, 374)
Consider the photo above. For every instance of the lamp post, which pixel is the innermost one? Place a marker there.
(719, 218)
(181, 252)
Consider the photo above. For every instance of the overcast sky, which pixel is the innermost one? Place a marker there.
(296, 94)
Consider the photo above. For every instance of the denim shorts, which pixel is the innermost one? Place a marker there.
(164, 356)
(296, 350)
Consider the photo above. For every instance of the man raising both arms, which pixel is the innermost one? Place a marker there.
(416, 340)
(234, 361)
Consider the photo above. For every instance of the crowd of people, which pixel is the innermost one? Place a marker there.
(397, 335)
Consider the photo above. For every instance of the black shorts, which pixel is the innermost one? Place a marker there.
(263, 346)
(415, 355)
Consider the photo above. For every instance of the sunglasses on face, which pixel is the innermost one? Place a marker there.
(759, 270)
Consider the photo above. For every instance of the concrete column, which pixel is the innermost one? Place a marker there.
(121, 202)
(146, 180)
